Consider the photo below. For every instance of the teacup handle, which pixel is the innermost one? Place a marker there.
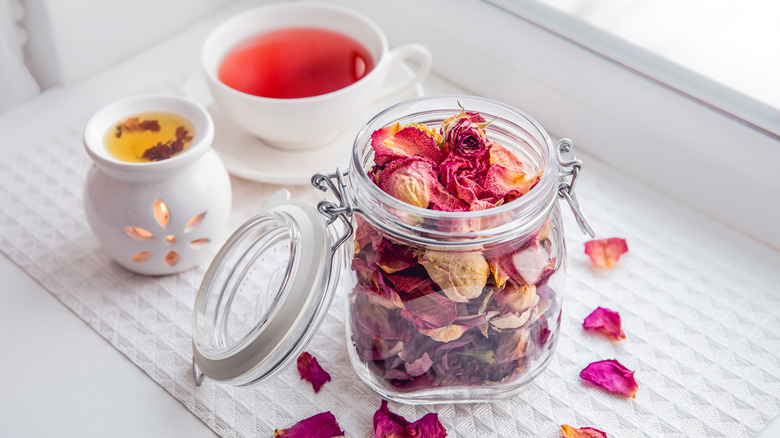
(408, 52)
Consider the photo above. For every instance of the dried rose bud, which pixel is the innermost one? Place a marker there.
(606, 322)
(606, 252)
(322, 425)
(611, 376)
(583, 432)
(466, 137)
(311, 371)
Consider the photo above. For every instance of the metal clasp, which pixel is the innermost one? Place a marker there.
(571, 168)
(332, 211)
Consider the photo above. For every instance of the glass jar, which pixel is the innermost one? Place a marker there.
(442, 306)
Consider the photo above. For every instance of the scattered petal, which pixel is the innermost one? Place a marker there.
(606, 252)
(611, 376)
(606, 322)
(311, 371)
(388, 424)
(583, 432)
(322, 425)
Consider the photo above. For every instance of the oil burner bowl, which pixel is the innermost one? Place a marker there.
(160, 217)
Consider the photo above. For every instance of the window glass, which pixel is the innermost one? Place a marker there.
(720, 51)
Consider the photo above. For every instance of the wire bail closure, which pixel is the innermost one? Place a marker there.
(571, 168)
(331, 210)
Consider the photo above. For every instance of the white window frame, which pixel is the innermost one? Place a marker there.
(695, 151)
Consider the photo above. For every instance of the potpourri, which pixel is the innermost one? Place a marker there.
(429, 318)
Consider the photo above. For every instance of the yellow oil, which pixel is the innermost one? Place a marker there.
(128, 144)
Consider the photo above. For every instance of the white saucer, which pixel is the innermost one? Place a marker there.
(248, 157)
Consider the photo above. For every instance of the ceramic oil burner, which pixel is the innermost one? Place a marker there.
(162, 214)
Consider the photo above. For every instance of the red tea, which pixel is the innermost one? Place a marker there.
(295, 62)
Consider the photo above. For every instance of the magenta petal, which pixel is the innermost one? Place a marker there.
(606, 322)
(388, 424)
(311, 371)
(611, 376)
(428, 427)
(322, 425)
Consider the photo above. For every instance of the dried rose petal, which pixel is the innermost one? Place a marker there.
(446, 334)
(442, 200)
(505, 158)
(388, 424)
(606, 322)
(394, 142)
(392, 257)
(429, 311)
(606, 252)
(526, 266)
(504, 183)
(420, 366)
(461, 176)
(411, 180)
(322, 425)
(611, 376)
(460, 275)
(583, 432)
(311, 371)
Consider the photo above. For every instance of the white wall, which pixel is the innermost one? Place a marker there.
(71, 39)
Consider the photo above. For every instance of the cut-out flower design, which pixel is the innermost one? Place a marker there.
(162, 216)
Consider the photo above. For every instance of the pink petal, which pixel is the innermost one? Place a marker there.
(388, 424)
(311, 371)
(583, 432)
(611, 376)
(505, 158)
(430, 311)
(420, 366)
(606, 252)
(526, 266)
(394, 142)
(606, 322)
(322, 425)
(505, 183)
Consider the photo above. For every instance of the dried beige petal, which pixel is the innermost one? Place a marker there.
(460, 275)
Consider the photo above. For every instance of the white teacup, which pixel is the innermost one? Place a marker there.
(307, 122)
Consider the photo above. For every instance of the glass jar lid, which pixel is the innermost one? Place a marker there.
(265, 293)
